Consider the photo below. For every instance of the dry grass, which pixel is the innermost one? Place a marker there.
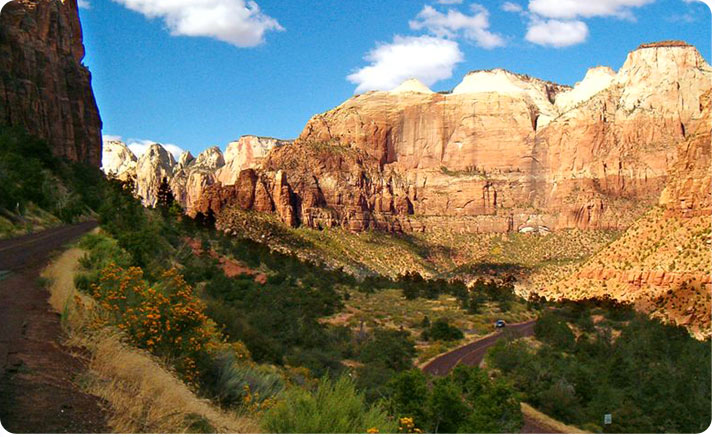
(61, 276)
(148, 399)
(144, 396)
(548, 422)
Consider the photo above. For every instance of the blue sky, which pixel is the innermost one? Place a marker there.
(196, 73)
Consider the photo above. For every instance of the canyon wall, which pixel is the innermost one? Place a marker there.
(663, 263)
(44, 87)
(513, 152)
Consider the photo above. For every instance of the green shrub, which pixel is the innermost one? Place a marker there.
(653, 378)
(466, 401)
(442, 330)
(334, 408)
(243, 385)
(391, 348)
(550, 329)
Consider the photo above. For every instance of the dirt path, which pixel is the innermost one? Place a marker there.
(38, 393)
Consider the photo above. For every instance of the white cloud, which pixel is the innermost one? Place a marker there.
(426, 58)
(139, 147)
(237, 22)
(511, 7)
(84, 4)
(454, 2)
(452, 24)
(570, 9)
(557, 33)
(559, 23)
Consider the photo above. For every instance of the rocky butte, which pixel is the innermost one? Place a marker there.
(44, 87)
(502, 152)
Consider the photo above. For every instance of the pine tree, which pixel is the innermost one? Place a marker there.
(164, 196)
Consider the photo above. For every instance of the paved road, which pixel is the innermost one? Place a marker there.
(473, 353)
(20, 252)
(38, 393)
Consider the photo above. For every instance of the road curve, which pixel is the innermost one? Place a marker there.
(27, 250)
(473, 353)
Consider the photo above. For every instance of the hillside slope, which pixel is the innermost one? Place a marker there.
(663, 263)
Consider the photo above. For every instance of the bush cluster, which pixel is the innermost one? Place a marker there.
(626, 365)
(30, 174)
(466, 401)
(166, 318)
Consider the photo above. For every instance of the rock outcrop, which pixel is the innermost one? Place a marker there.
(44, 87)
(118, 160)
(248, 152)
(155, 166)
(191, 177)
(507, 150)
(663, 263)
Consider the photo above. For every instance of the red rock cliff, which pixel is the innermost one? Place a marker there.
(43, 85)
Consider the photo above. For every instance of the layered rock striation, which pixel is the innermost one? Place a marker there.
(507, 151)
(44, 87)
(520, 152)
(663, 263)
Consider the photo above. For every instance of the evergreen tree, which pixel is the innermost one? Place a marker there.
(164, 197)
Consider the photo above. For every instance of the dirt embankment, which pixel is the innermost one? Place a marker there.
(231, 268)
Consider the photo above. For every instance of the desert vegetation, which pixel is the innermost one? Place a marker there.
(38, 190)
(592, 359)
(299, 330)
(220, 333)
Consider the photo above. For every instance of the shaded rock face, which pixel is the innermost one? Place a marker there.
(44, 87)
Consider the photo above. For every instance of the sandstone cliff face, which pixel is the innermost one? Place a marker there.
(616, 148)
(191, 177)
(248, 152)
(507, 151)
(662, 263)
(516, 151)
(689, 189)
(44, 87)
(118, 161)
(153, 168)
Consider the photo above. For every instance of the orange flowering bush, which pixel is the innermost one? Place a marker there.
(166, 318)
(407, 426)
